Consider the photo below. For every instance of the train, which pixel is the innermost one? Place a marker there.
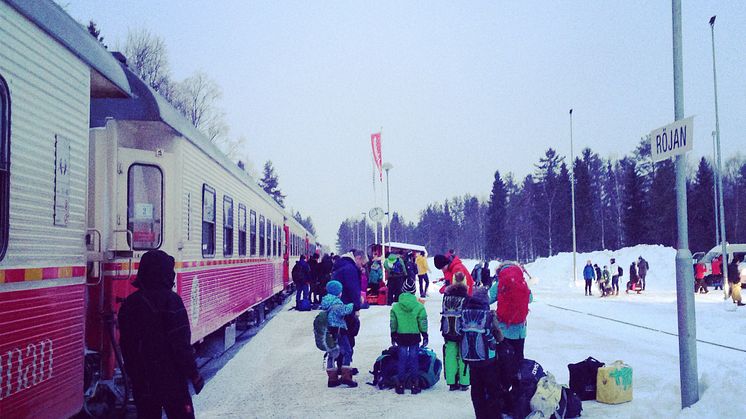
(96, 168)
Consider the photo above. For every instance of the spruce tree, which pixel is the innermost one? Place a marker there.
(633, 215)
(563, 203)
(270, 182)
(585, 204)
(495, 238)
(661, 218)
(702, 209)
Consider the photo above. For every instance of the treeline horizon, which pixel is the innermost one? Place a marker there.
(618, 203)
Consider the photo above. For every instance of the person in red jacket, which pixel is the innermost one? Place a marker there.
(450, 266)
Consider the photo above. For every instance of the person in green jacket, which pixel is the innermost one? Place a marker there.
(408, 322)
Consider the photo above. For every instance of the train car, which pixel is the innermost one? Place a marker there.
(50, 68)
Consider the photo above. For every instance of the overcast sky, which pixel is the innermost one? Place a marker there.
(461, 89)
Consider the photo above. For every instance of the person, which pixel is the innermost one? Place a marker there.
(325, 273)
(408, 320)
(599, 274)
(410, 283)
(454, 369)
(347, 272)
(717, 271)
(476, 274)
(642, 270)
(614, 268)
(588, 274)
(396, 272)
(513, 333)
(422, 270)
(301, 277)
(485, 385)
(633, 279)
(486, 277)
(336, 313)
(450, 266)
(606, 288)
(313, 279)
(734, 281)
(375, 276)
(155, 338)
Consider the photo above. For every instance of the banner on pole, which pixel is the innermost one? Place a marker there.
(375, 143)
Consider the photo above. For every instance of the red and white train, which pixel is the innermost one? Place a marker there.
(95, 170)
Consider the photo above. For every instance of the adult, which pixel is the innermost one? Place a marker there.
(717, 271)
(347, 272)
(325, 272)
(486, 276)
(450, 266)
(476, 274)
(588, 274)
(301, 274)
(614, 268)
(422, 270)
(599, 274)
(633, 278)
(155, 338)
(514, 331)
(642, 270)
(396, 273)
(734, 281)
(313, 278)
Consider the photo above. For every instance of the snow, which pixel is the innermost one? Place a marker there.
(279, 373)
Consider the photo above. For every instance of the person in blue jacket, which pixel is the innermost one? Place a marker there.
(588, 274)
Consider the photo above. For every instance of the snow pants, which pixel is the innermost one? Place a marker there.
(588, 283)
(454, 368)
(423, 278)
(615, 284)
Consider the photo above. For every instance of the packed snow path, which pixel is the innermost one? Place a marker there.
(279, 373)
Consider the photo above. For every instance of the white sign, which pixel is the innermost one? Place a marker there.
(672, 140)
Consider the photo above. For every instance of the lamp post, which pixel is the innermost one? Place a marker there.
(715, 189)
(720, 165)
(572, 192)
(387, 166)
(365, 232)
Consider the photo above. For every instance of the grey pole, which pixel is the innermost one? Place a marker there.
(365, 234)
(720, 166)
(388, 166)
(684, 274)
(572, 192)
(715, 189)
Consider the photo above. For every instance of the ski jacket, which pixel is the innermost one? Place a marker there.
(347, 273)
(408, 320)
(588, 272)
(376, 272)
(614, 269)
(422, 267)
(336, 310)
(457, 266)
(598, 273)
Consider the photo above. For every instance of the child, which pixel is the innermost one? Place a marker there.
(606, 289)
(338, 328)
(455, 371)
(408, 321)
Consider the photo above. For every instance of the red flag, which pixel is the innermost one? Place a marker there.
(375, 143)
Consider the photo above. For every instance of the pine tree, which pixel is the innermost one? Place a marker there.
(661, 217)
(563, 219)
(633, 215)
(495, 243)
(546, 205)
(702, 208)
(96, 33)
(269, 182)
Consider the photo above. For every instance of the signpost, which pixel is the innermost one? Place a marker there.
(672, 140)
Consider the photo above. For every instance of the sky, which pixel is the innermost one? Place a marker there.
(459, 89)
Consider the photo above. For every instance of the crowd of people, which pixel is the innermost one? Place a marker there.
(607, 279)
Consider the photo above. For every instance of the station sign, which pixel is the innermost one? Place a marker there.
(672, 140)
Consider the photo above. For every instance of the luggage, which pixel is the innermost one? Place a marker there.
(372, 299)
(385, 368)
(383, 293)
(304, 305)
(524, 387)
(325, 341)
(583, 377)
(614, 383)
(570, 405)
(429, 367)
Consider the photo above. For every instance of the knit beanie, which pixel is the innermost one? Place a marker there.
(441, 261)
(459, 277)
(334, 288)
(409, 286)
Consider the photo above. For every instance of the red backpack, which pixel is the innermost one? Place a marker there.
(512, 295)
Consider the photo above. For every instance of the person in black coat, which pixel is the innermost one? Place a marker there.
(156, 342)
(347, 272)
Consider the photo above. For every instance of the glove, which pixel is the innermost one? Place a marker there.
(197, 382)
(393, 339)
(424, 340)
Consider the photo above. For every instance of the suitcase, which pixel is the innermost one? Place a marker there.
(614, 383)
(372, 299)
(583, 377)
(383, 294)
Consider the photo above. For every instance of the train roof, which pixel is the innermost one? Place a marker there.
(107, 77)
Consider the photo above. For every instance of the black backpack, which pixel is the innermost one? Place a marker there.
(474, 325)
(449, 320)
(583, 377)
(621, 271)
(385, 369)
(524, 387)
(569, 406)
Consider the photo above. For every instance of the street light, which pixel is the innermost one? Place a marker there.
(715, 189)
(387, 166)
(365, 232)
(572, 192)
(720, 166)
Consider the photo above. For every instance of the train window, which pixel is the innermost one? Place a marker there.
(241, 230)
(274, 239)
(261, 236)
(208, 221)
(145, 206)
(269, 237)
(4, 165)
(252, 232)
(227, 226)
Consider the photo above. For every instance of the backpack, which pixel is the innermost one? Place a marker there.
(449, 320)
(325, 341)
(583, 377)
(475, 343)
(512, 296)
(385, 369)
(621, 271)
(376, 274)
(528, 375)
(397, 269)
(304, 305)
(428, 368)
(547, 396)
(570, 405)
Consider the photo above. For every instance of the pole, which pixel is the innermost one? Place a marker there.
(388, 208)
(684, 274)
(572, 192)
(365, 233)
(715, 190)
(720, 167)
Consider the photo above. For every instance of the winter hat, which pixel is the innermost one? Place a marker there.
(441, 261)
(480, 294)
(334, 287)
(409, 286)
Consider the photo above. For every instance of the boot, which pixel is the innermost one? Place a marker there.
(415, 389)
(346, 378)
(333, 377)
(453, 387)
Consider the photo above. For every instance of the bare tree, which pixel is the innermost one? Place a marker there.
(197, 98)
(147, 56)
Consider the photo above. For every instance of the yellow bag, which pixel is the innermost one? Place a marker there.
(614, 383)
